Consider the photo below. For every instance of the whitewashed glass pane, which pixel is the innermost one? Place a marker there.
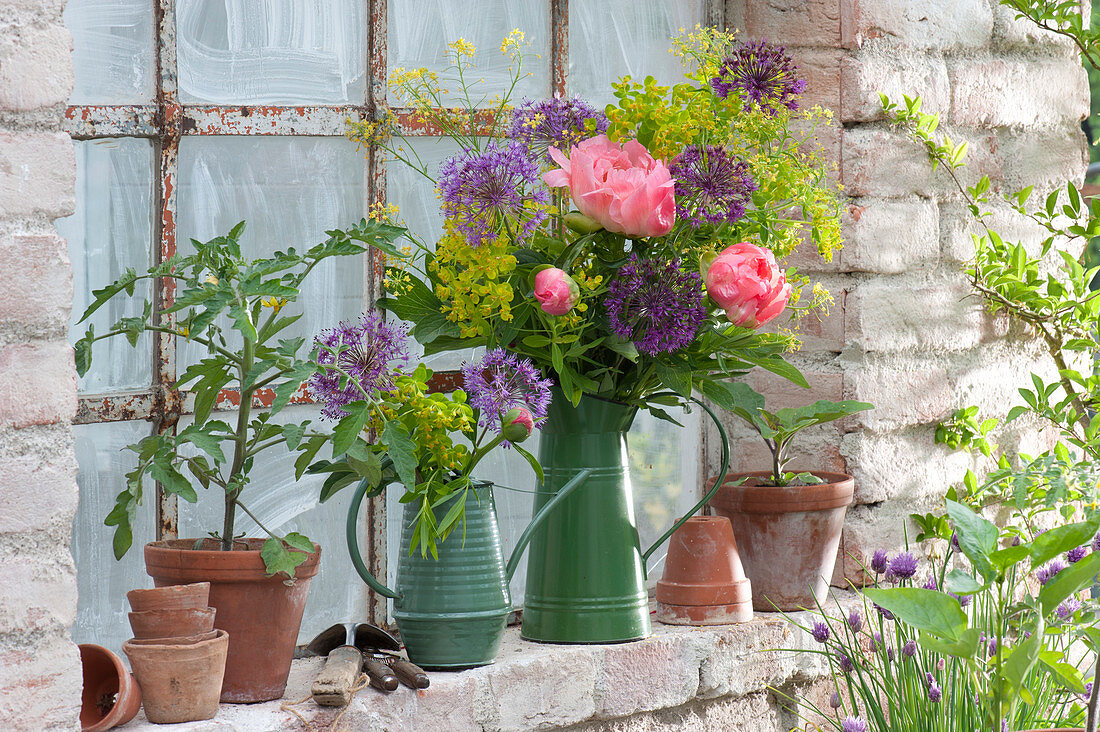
(113, 56)
(336, 594)
(289, 190)
(609, 39)
(416, 198)
(101, 581)
(419, 32)
(271, 51)
(112, 229)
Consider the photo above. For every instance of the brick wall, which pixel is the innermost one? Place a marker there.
(40, 679)
(904, 335)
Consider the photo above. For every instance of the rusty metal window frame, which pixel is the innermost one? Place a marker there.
(167, 121)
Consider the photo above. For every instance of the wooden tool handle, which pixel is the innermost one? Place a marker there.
(333, 685)
(380, 675)
(410, 674)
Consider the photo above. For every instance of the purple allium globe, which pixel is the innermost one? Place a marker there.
(711, 186)
(502, 381)
(764, 75)
(1046, 574)
(902, 567)
(820, 631)
(855, 621)
(1075, 555)
(878, 561)
(487, 191)
(935, 694)
(853, 724)
(366, 350)
(557, 122)
(655, 305)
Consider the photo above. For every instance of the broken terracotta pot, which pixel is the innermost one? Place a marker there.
(110, 696)
(788, 536)
(181, 678)
(703, 582)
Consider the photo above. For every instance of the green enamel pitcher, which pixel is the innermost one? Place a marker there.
(452, 611)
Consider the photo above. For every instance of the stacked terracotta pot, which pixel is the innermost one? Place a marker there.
(177, 657)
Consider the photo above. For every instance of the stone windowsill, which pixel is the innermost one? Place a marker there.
(539, 686)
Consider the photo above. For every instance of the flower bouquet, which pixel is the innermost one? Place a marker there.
(631, 254)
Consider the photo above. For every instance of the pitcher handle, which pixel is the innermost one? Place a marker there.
(353, 543)
(529, 532)
(714, 489)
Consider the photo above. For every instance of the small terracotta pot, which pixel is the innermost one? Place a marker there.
(178, 597)
(262, 614)
(175, 623)
(703, 581)
(788, 536)
(181, 678)
(110, 696)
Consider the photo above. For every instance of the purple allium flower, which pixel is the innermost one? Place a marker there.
(1075, 555)
(655, 304)
(844, 662)
(935, 694)
(855, 621)
(820, 631)
(910, 648)
(902, 567)
(484, 191)
(557, 122)
(366, 351)
(501, 381)
(711, 186)
(763, 74)
(834, 700)
(1046, 574)
(883, 612)
(878, 561)
(853, 724)
(1067, 608)
(930, 583)
(1088, 691)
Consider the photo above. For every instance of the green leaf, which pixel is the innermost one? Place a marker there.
(1070, 580)
(1002, 559)
(736, 397)
(977, 537)
(123, 539)
(292, 433)
(299, 541)
(961, 583)
(678, 380)
(1066, 675)
(965, 647)
(348, 428)
(1022, 658)
(1061, 539)
(930, 610)
(294, 378)
(530, 460)
(312, 446)
(402, 451)
(277, 558)
(200, 437)
(83, 351)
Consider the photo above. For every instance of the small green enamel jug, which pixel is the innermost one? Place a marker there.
(452, 611)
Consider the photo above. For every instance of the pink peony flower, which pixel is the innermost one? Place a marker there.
(556, 291)
(746, 282)
(621, 186)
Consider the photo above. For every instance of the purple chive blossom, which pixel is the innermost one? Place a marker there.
(955, 541)
(1066, 610)
(890, 653)
(935, 694)
(762, 74)
(557, 122)
(991, 647)
(901, 567)
(711, 186)
(853, 724)
(655, 304)
(1075, 555)
(964, 600)
(844, 662)
(1096, 543)
(941, 664)
(878, 561)
(501, 381)
(490, 192)
(909, 649)
(1045, 574)
(884, 612)
(365, 350)
(834, 700)
(855, 621)
(1088, 691)
(930, 583)
(820, 631)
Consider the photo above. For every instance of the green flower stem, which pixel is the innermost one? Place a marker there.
(252, 516)
(476, 457)
(240, 444)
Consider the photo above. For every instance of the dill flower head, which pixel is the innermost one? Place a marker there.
(711, 186)
(654, 304)
(502, 381)
(493, 191)
(763, 74)
(357, 356)
(557, 122)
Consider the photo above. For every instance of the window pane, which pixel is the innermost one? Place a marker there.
(336, 594)
(111, 230)
(271, 51)
(613, 38)
(101, 581)
(112, 51)
(289, 190)
(419, 33)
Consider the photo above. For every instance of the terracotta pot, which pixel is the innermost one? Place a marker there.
(110, 696)
(181, 678)
(703, 581)
(262, 614)
(175, 623)
(196, 595)
(788, 536)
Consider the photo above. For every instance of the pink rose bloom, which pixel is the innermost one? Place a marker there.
(746, 282)
(556, 291)
(620, 186)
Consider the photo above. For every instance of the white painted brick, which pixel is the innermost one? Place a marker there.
(37, 594)
(1044, 159)
(904, 392)
(38, 280)
(36, 68)
(865, 75)
(556, 692)
(656, 673)
(894, 315)
(37, 384)
(867, 528)
(999, 92)
(35, 493)
(957, 225)
(890, 237)
(37, 174)
(953, 24)
(40, 686)
(901, 466)
(1023, 35)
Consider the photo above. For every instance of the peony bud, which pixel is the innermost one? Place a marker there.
(517, 424)
(580, 223)
(556, 291)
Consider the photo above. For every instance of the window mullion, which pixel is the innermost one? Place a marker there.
(559, 47)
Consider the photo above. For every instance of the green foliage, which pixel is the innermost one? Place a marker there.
(218, 289)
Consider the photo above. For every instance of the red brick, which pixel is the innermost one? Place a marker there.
(36, 67)
(780, 392)
(821, 70)
(38, 279)
(792, 22)
(37, 384)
